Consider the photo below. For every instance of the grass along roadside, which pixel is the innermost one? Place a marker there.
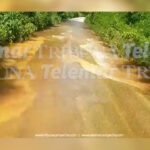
(127, 32)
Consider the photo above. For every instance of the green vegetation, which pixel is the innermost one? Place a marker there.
(18, 26)
(118, 29)
(66, 15)
(15, 26)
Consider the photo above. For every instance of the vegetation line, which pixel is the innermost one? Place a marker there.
(18, 26)
(127, 32)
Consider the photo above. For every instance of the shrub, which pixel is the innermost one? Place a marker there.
(118, 29)
(18, 26)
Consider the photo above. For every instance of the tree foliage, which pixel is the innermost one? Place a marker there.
(18, 26)
(118, 29)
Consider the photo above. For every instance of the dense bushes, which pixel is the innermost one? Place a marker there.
(13, 27)
(117, 29)
(44, 19)
(16, 26)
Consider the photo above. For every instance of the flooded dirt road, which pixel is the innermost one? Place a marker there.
(73, 92)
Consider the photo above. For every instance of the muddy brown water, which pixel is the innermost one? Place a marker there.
(76, 95)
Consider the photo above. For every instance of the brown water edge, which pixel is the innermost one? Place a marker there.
(113, 105)
(16, 96)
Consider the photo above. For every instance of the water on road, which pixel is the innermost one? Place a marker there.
(72, 93)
